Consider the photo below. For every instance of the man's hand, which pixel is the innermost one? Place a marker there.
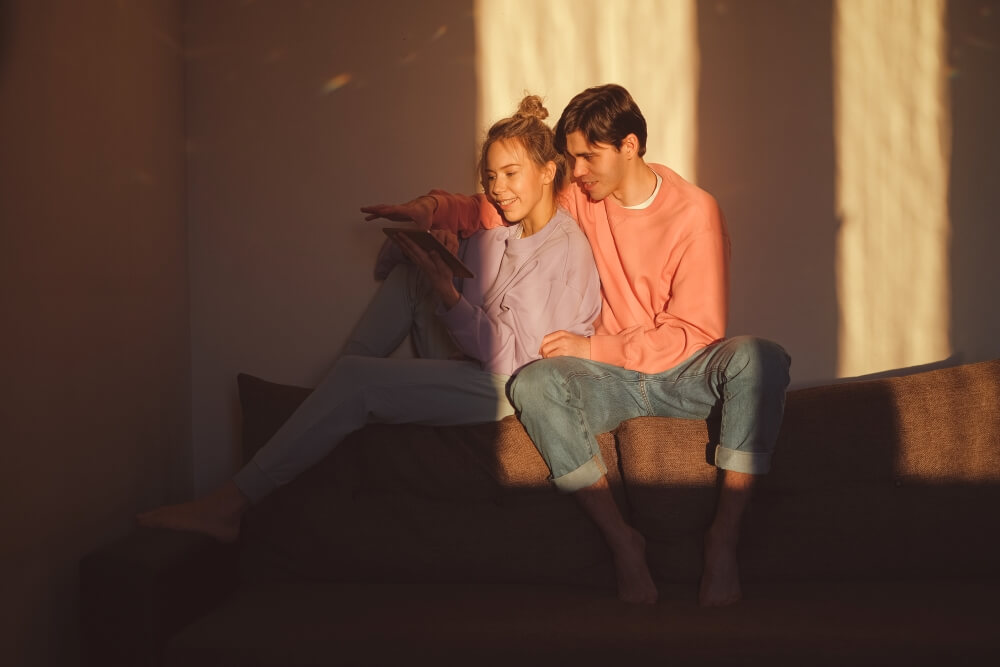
(565, 344)
(419, 210)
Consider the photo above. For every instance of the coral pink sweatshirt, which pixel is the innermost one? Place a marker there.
(664, 269)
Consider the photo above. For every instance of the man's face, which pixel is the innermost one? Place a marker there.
(598, 169)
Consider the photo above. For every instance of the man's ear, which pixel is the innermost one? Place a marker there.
(629, 145)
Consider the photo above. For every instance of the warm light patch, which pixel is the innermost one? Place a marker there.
(893, 149)
(556, 48)
(336, 82)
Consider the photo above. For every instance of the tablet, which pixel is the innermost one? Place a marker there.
(428, 242)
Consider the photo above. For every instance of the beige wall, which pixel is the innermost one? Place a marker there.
(179, 185)
(277, 168)
(769, 151)
(95, 416)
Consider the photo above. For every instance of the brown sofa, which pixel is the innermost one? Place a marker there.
(873, 541)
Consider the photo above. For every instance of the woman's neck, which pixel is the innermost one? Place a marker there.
(538, 218)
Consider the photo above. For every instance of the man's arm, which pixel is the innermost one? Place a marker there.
(420, 210)
(462, 214)
(693, 317)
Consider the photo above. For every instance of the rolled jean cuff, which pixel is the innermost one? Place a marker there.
(253, 483)
(582, 477)
(751, 463)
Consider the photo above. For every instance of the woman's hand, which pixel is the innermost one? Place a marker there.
(419, 210)
(439, 273)
(448, 239)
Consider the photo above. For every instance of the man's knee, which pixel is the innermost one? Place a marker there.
(540, 382)
(762, 360)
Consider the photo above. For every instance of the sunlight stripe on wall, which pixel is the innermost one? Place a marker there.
(892, 128)
(557, 48)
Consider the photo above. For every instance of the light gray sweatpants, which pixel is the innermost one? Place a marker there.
(364, 386)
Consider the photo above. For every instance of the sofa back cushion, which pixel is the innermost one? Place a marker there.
(893, 477)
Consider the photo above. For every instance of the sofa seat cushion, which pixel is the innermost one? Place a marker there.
(807, 623)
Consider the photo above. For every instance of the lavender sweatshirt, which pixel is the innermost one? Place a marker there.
(524, 289)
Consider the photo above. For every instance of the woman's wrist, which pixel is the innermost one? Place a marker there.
(450, 297)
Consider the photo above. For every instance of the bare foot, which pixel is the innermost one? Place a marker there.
(720, 580)
(217, 515)
(635, 583)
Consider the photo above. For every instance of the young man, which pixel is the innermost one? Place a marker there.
(662, 251)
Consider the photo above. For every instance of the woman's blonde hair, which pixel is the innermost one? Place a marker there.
(526, 127)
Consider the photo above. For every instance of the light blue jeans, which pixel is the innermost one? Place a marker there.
(564, 402)
(364, 387)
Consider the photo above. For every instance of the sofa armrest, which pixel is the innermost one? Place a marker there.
(137, 592)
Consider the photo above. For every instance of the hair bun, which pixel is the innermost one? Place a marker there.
(531, 107)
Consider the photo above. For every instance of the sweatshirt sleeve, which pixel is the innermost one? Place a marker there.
(693, 317)
(464, 214)
(491, 341)
(467, 214)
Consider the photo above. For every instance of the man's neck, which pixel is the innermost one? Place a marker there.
(637, 186)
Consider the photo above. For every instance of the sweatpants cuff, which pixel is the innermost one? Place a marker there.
(751, 463)
(582, 477)
(253, 483)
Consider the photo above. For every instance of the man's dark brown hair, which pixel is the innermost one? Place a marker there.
(605, 114)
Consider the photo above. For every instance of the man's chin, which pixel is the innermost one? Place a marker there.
(592, 195)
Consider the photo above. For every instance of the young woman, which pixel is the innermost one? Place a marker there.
(535, 275)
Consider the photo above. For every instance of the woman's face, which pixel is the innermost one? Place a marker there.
(518, 187)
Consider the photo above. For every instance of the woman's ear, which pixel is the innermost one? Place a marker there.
(549, 172)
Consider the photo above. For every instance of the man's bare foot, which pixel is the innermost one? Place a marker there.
(720, 580)
(635, 583)
(217, 515)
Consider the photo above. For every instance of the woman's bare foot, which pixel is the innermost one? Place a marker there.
(635, 583)
(720, 580)
(217, 515)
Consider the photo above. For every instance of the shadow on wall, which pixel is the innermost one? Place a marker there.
(297, 114)
(6, 23)
(766, 151)
(974, 58)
